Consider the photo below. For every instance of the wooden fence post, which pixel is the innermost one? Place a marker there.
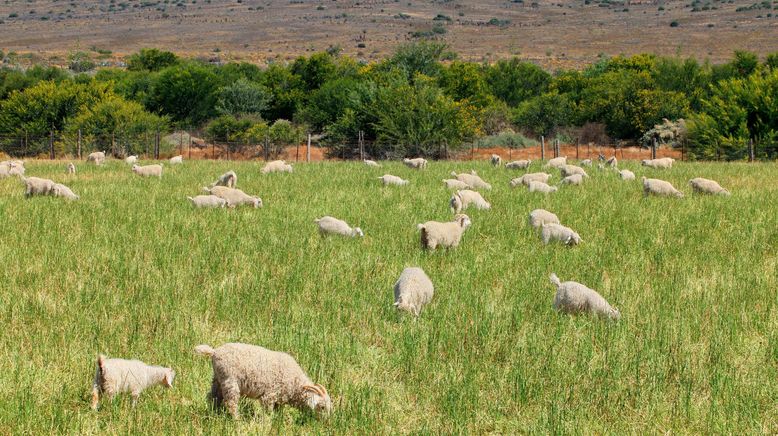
(190, 145)
(78, 144)
(751, 150)
(51, 144)
(577, 146)
(308, 149)
(653, 148)
(542, 148)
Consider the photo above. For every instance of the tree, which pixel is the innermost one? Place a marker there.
(418, 58)
(79, 62)
(514, 81)
(542, 115)
(466, 81)
(186, 92)
(151, 59)
(288, 92)
(228, 128)
(315, 70)
(242, 98)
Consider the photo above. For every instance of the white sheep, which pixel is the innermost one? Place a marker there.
(5, 168)
(569, 170)
(496, 160)
(37, 186)
(663, 163)
(16, 168)
(207, 201)
(455, 184)
(388, 179)
(98, 157)
(541, 187)
(530, 177)
(413, 290)
(551, 232)
(707, 186)
(272, 377)
(115, 376)
(154, 170)
(518, 164)
(538, 217)
(556, 162)
(131, 160)
(277, 166)
(586, 162)
(228, 179)
(462, 199)
(575, 179)
(660, 187)
(434, 233)
(235, 197)
(417, 163)
(176, 160)
(472, 180)
(612, 162)
(626, 175)
(371, 163)
(70, 168)
(573, 298)
(330, 225)
(60, 190)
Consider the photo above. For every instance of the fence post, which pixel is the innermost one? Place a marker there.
(181, 142)
(78, 144)
(653, 148)
(156, 145)
(751, 150)
(542, 148)
(51, 144)
(577, 146)
(267, 146)
(308, 149)
(362, 145)
(190, 145)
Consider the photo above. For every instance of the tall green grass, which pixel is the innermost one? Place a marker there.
(132, 270)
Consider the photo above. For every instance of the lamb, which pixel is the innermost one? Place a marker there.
(98, 157)
(612, 162)
(556, 162)
(660, 187)
(626, 175)
(455, 184)
(413, 290)
(541, 187)
(462, 199)
(417, 164)
(228, 179)
(573, 297)
(328, 224)
(707, 186)
(551, 232)
(530, 177)
(272, 377)
(60, 190)
(207, 201)
(586, 162)
(37, 186)
(371, 163)
(388, 179)
(148, 170)
(472, 180)
(575, 179)
(518, 164)
(663, 163)
(277, 166)
(496, 160)
(175, 160)
(569, 170)
(235, 197)
(434, 234)
(131, 160)
(115, 376)
(70, 168)
(538, 217)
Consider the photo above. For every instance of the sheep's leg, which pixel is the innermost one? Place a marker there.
(231, 394)
(135, 395)
(215, 396)
(95, 397)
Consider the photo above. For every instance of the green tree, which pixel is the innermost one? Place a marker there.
(514, 81)
(466, 81)
(288, 92)
(151, 59)
(421, 57)
(186, 92)
(242, 98)
(542, 115)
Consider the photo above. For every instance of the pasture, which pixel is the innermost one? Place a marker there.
(133, 270)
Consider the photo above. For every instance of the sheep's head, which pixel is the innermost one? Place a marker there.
(167, 379)
(317, 399)
(358, 232)
(135, 167)
(256, 202)
(516, 182)
(455, 203)
(574, 239)
(463, 220)
(644, 162)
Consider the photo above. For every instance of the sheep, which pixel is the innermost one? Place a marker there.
(207, 201)
(586, 162)
(328, 224)
(455, 184)
(541, 187)
(277, 166)
(660, 187)
(707, 186)
(556, 162)
(16, 168)
(272, 377)
(148, 170)
(413, 290)
(663, 163)
(573, 297)
(472, 179)
(5, 168)
(530, 177)
(575, 179)
(98, 157)
(37, 186)
(556, 232)
(569, 170)
(388, 179)
(70, 168)
(417, 163)
(60, 190)
(626, 175)
(538, 217)
(235, 197)
(228, 179)
(496, 160)
(462, 199)
(612, 162)
(131, 160)
(115, 376)
(434, 234)
(371, 163)
(518, 164)
(175, 160)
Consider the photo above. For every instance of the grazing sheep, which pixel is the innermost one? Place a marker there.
(131, 160)
(518, 164)
(16, 168)
(328, 224)
(115, 376)
(277, 166)
(70, 168)
(556, 162)
(37, 186)
(60, 190)
(462, 199)
(575, 179)
(388, 179)
(455, 184)
(541, 187)
(538, 217)
(472, 180)
(154, 170)
(207, 201)
(626, 175)
(175, 160)
(556, 232)
(496, 160)
(235, 197)
(98, 157)
(573, 298)
(272, 377)
(417, 164)
(707, 186)
(586, 162)
(612, 162)
(663, 163)
(228, 179)
(569, 170)
(660, 187)
(434, 233)
(5, 168)
(371, 163)
(413, 290)
(530, 177)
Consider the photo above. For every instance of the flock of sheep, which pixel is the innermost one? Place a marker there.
(275, 378)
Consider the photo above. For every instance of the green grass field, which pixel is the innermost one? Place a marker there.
(132, 270)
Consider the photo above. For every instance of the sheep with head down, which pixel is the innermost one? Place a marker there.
(556, 162)
(530, 177)
(706, 186)
(660, 188)
(437, 234)
(662, 163)
(207, 201)
(417, 163)
(518, 165)
(472, 180)
(235, 197)
(413, 290)
(115, 376)
(388, 179)
(455, 184)
(553, 232)
(541, 187)
(277, 166)
(228, 179)
(574, 298)
(154, 170)
(330, 225)
(538, 217)
(575, 179)
(464, 198)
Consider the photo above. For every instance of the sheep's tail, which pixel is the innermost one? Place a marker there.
(424, 236)
(555, 280)
(205, 350)
(97, 384)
